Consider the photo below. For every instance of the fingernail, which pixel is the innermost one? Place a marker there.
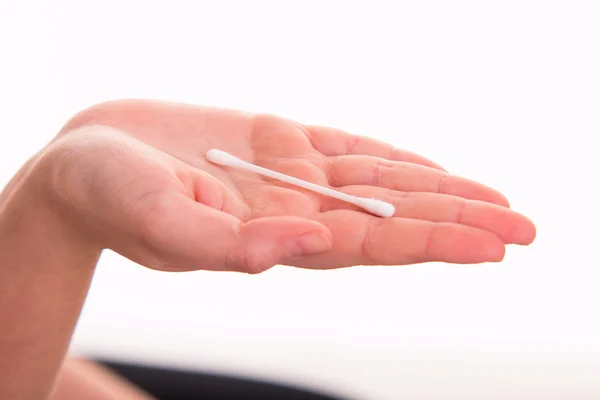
(310, 243)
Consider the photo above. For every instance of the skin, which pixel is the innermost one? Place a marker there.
(83, 379)
(130, 176)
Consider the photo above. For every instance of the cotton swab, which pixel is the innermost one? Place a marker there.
(377, 207)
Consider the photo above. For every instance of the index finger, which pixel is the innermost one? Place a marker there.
(361, 239)
(335, 142)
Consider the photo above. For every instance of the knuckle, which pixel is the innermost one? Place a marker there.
(367, 247)
(248, 259)
(380, 170)
(331, 170)
(442, 180)
(429, 245)
(254, 261)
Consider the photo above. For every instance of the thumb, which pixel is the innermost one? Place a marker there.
(187, 235)
(265, 242)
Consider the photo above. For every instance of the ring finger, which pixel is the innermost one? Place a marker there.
(509, 225)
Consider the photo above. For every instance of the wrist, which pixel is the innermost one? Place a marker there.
(32, 214)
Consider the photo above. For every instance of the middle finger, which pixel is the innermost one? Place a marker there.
(407, 177)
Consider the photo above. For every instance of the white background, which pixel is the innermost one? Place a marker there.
(507, 93)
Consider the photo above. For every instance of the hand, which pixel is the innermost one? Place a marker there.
(133, 173)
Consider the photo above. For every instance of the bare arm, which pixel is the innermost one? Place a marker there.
(82, 379)
(45, 272)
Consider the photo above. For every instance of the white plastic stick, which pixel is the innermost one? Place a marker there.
(377, 207)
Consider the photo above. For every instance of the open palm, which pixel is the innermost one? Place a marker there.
(143, 183)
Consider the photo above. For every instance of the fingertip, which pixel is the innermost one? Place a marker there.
(512, 227)
(515, 228)
(501, 200)
(406, 156)
(494, 251)
(434, 165)
(470, 189)
(491, 247)
(533, 234)
(526, 233)
(489, 195)
(465, 245)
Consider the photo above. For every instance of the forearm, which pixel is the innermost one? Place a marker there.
(81, 379)
(45, 272)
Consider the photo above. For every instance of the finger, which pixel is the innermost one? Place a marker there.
(186, 235)
(206, 189)
(335, 142)
(361, 239)
(406, 177)
(510, 226)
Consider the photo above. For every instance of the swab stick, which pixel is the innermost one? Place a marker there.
(377, 207)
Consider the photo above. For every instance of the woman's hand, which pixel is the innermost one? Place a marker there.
(133, 176)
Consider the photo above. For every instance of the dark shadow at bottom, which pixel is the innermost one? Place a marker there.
(173, 384)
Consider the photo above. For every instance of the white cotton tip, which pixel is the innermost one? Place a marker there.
(378, 207)
(220, 157)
